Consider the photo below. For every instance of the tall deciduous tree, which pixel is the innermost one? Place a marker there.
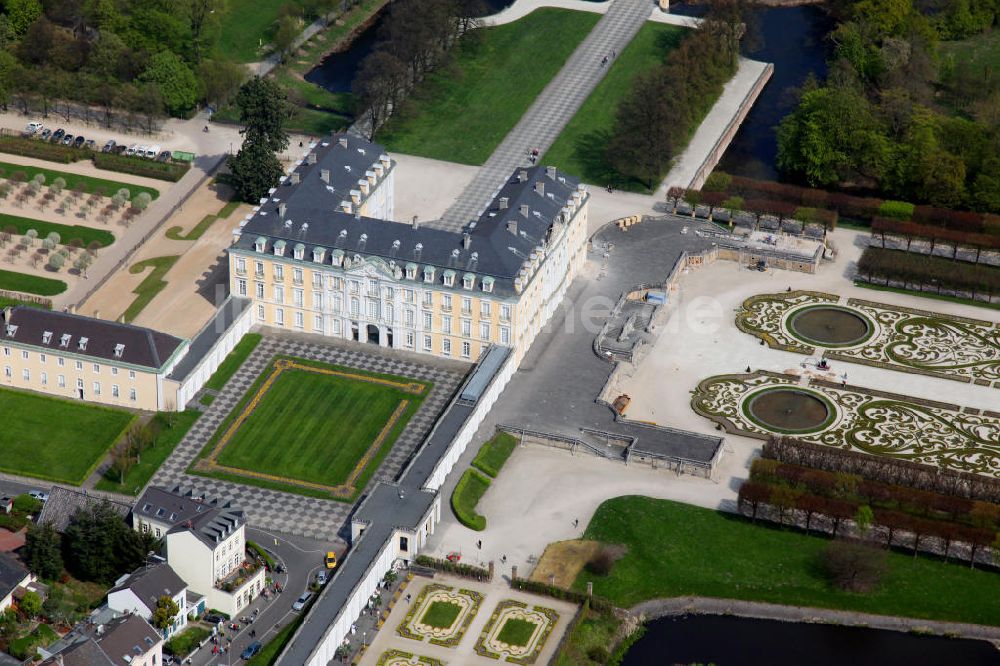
(165, 612)
(263, 112)
(174, 80)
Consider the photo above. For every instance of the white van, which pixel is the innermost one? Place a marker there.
(152, 152)
(34, 127)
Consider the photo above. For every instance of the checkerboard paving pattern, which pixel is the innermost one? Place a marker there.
(288, 512)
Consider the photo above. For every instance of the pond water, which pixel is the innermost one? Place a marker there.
(336, 71)
(794, 39)
(734, 641)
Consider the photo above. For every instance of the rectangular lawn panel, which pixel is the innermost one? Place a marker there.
(55, 439)
(580, 149)
(516, 632)
(462, 112)
(313, 428)
(441, 614)
(89, 184)
(86, 235)
(31, 284)
(675, 550)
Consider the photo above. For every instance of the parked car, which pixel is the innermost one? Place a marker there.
(152, 151)
(120, 149)
(109, 146)
(78, 143)
(131, 149)
(34, 127)
(163, 156)
(46, 133)
(330, 560)
(58, 135)
(67, 139)
(321, 577)
(39, 495)
(89, 144)
(251, 650)
(212, 618)
(301, 602)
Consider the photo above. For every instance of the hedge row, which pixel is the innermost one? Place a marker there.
(139, 166)
(935, 234)
(924, 270)
(887, 470)
(556, 592)
(42, 150)
(470, 488)
(457, 568)
(858, 490)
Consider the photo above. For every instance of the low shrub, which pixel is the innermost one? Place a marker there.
(139, 166)
(717, 181)
(471, 487)
(900, 210)
(601, 563)
(42, 150)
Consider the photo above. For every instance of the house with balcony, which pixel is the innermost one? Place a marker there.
(204, 543)
(139, 592)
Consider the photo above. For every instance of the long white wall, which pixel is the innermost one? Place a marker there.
(210, 363)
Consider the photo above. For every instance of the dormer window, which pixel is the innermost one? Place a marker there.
(82, 344)
(318, 254)
(279, 248)
(46, 337)
(488, 284)
(449, 278)
(428, 274)
(468, 280)
(411, 271)
(11, 330)
(260, 244)
(300, 251)
(119, 350)
(64, 340)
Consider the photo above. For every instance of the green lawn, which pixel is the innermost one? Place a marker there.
(441, 614)
(66, 232)
(324, 424)
(494, 453)
(90, 184)
(581, 147)
(245, 25)
(233, 361)
(593, 632)
(461, 113)
(31, 284)
(468, 491)
(25, 646)
(140, 473)
(675, 549)
(177, 233)
(180, 645)
(928, 294)
(14, 302)
(516, 632)
(55, 439)
(150, 286)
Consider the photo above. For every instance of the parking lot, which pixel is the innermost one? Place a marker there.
(55, 135)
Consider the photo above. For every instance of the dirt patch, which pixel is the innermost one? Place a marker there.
(564, 560)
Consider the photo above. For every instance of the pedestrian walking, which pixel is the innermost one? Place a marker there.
(408, 597)
(576, 522)
(503, 558)
(614, 54)
(479, 544)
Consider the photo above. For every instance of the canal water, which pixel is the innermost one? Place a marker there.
(794, 39)
(336, 71)
(734, 641)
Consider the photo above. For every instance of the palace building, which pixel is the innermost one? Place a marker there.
(321, 254)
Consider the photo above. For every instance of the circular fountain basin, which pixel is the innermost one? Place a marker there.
(830, 326)
(790, 410)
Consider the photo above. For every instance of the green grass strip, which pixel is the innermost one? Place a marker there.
(927, 294)
(174, 233)
(469, 490)
(233, 361)
(462, 112)
(150, 286)
(182, 644)
(31, 284)
(173, 428)
(675, 549)
(66, 232)
(89, 184)
(494, 453)
(14, 302)
(581, 148)
(269, 655)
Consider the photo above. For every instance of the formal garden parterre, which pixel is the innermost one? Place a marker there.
(874, 422)
(401, 658)
(441, 614)
(516, 632)
(312, 428)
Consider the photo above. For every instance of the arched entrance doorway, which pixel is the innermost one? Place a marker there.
(373, 334)
(355, 335)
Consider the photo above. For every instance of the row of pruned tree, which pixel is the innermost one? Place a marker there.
(935, 235)
(928, 273)
(886, 470)
(416, 38)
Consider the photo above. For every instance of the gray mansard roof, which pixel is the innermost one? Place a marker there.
(517, 222)
(212, 521)
(86, 336)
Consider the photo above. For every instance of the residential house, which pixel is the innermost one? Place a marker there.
(139, 592)
(124, 641)
(63, 504)
(13, 575)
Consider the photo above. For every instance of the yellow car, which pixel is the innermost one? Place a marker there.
(331, 560)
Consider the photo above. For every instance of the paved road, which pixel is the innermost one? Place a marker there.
(553, 109)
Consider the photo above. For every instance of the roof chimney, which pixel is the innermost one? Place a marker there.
(512, 226)
(504, 202)
(295, 178)
(466, 240)
(311, 158)
(540, 187)
(324, 175)
(522, 177)
(416, 223)
(281, 210)
(343, 142)
(7, 312)
(550, 172)
(524, 210)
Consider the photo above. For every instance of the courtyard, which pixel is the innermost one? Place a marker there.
(455, 621)
(312, 427)
(55, 439)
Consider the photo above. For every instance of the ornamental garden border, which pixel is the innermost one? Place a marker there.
(411, 627)
(488, 644)
(401, 658)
